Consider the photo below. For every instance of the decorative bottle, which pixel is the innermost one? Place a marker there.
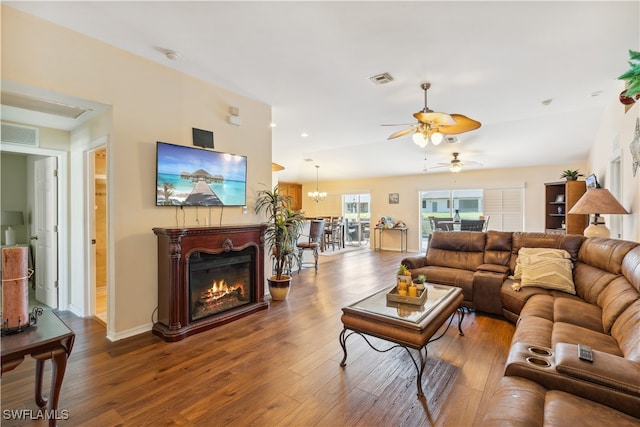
(456, 217)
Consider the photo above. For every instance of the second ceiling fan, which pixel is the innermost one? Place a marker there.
(433, 125)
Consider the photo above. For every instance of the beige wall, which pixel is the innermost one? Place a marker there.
(13, 187)
(612, 141)
(149, 103)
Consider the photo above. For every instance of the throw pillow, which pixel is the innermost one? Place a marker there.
(542, 252)
(549, 269)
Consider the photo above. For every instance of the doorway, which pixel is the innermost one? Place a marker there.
(97, 208)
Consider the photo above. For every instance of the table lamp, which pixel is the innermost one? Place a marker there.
(10, 218)
(597, 201)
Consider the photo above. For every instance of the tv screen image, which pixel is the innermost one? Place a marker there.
(188, 176)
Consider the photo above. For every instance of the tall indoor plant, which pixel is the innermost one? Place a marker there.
(281, 236)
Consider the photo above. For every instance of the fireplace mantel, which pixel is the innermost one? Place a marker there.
(175, 246)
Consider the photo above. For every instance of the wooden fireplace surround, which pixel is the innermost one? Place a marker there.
(175, 246)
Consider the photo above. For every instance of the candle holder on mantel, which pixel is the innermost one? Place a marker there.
(15, 292)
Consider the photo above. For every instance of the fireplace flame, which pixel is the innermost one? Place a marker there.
(219, 289)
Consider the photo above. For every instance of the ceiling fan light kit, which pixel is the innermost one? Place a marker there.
(432, 126)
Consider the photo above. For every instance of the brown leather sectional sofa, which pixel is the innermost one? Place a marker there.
(545, 382)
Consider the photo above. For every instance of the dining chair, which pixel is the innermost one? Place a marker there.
(443, 226)
(471, 224)
(485, 226)
(312, 242)
(333, 233)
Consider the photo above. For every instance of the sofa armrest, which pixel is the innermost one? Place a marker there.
(415, 262)
(606, 369)
(487, 288)
(494, 268)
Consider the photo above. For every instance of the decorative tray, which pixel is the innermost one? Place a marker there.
(392, 296)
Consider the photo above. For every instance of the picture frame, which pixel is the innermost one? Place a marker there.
(394, 198)
(560, 198)
(591, 181)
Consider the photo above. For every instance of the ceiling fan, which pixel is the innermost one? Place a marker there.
(456, 165)
(432, 125)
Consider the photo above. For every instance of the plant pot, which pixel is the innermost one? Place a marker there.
(279, 289)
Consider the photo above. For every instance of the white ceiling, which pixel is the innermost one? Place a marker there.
(492, 61)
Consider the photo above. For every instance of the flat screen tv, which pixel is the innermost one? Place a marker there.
(189, 176)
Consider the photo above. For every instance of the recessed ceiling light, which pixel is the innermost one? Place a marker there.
(273, 125)
(547, 101)
(596, 93)
(172, 55)
(304, 134)
(308, 160)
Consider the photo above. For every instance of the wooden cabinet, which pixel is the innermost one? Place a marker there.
(559, 199)
(294, 191)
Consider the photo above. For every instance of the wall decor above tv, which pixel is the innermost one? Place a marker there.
(189, 176)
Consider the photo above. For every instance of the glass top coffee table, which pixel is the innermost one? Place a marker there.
(407, 325)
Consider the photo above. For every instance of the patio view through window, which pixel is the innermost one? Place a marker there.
(356, 209)
(444, 203)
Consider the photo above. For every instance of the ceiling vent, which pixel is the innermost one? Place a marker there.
(22, 135)
(451, 139)
(42, 105)
(381, 79)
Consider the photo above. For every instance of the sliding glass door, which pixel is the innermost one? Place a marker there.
(356, 209)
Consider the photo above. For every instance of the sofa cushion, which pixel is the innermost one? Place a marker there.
(625, 331)
(449, 276)
(577, 313)
(519, 402)
(573, 334)
(605, 254)
(460, 249)
(498, 247)
(545, 268)
(614, 299)
(514, 301)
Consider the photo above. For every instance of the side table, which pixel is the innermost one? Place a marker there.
(377, 237)
(51, 339)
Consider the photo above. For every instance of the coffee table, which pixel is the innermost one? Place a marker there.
(408, 326)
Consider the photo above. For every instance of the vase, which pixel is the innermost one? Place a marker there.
(279, 289)
(456, 217)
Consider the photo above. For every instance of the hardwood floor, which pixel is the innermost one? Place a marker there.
(278, 367)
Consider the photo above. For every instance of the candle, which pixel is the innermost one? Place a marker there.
(402, 292)
(15, 289)
(413, 291)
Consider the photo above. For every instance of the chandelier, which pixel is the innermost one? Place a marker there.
(317, 196)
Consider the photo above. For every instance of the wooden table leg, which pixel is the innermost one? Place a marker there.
(41, 401)
(59, 365)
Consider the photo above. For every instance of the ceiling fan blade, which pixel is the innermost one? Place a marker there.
(471, 163)
(435, 118)
(398, 124)
(400, 133)
(463, 124)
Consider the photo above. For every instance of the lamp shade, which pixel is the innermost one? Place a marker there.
(11, 218)
(597, 201)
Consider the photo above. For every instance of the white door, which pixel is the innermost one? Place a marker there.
(46, 233)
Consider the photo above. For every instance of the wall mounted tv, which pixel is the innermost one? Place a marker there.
(188, 176)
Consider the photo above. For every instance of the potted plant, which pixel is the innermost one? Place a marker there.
(281, 236)
(571, 175)
(632, 76)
